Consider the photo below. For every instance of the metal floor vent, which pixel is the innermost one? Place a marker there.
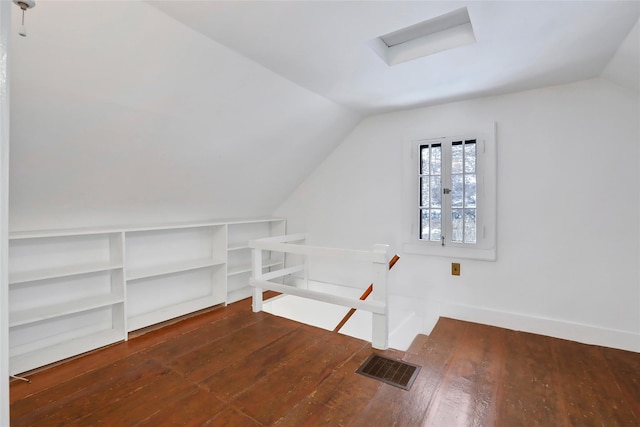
(391, 371)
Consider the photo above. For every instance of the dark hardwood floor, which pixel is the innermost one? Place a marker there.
(231, 367)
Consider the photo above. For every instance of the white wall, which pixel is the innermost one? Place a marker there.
(568, 209)
(5, 19)
(121, 114)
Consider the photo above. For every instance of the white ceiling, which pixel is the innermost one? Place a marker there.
(323, 45)
(120, 113)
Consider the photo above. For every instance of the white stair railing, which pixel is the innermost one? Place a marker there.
(294, 244)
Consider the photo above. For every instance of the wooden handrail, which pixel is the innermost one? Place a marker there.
(364, 296)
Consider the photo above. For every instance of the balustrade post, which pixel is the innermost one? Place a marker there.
(380, 323)
(256, 273)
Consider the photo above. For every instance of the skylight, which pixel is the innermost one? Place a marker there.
(434, 35)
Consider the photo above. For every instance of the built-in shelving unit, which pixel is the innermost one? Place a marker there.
(72, 291)
(66, 296)
(239, 254)
(184, 267)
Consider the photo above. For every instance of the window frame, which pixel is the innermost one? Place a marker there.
(486, 171)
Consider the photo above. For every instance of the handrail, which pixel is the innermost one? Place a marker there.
(363, 297)
(378, 257)
(372, 306)
(282, 244)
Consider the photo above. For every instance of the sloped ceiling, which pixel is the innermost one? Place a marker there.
(324, 45)
(624, 67)
(121, 114)
(137, 112)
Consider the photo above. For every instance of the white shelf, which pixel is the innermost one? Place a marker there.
(246, 268)
(43, 356)
(239, 294)
(239, 269)
(57, 272)
(271, 263)
(177, 267)
(38, 314)
(31, 234)
(166, 313)
(239, 254)
(237, 247)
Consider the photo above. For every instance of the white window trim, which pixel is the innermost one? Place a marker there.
(485, 249)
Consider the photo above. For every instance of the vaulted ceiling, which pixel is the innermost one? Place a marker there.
(325, 45)
(135, 111)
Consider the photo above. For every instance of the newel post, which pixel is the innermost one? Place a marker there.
(256, 273)
(380, 325)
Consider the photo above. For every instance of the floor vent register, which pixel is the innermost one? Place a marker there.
(391, 371)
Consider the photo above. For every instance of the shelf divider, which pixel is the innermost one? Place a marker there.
(38, 314)
(59, 272)
(43, 356)
(177, 267)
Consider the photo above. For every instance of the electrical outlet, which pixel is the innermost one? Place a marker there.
(455, 268)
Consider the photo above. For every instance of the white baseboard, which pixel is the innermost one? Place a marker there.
(586, 334)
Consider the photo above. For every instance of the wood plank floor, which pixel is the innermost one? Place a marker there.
(231, 367)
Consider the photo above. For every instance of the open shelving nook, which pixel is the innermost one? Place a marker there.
(75, 290)
(66, 296)
(183, 268)
(239, 255)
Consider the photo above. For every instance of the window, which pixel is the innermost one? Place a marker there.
(448, 191)
(452, 192)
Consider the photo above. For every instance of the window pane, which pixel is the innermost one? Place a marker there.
(456, 191)
(456, 157)
(424, 191)
(470, 157)
(436, 224)
(456, 225)
(424, 160)
(436, 160)
(469, 225)
(424, 224)
(436, 192)
(460, 205)
(469, 191)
